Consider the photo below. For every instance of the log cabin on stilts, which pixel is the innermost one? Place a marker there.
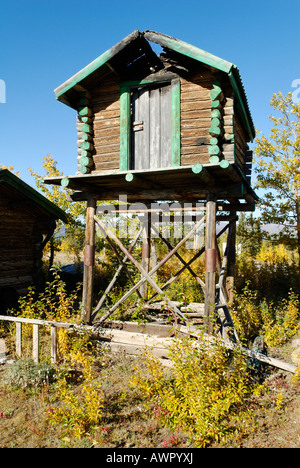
(172, 126)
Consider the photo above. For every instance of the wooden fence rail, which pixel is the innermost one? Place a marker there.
(130, 341)
(35, 334)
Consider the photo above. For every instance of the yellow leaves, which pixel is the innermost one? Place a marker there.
(82, 406)
(273, 254)
(57, 194)
(11, 169)
(204, 394)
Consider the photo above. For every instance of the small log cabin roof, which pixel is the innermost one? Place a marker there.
(18, 192)
(133, 56)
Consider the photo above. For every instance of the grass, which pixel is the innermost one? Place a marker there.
(126, 420)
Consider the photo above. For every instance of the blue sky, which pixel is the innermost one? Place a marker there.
(43, 43)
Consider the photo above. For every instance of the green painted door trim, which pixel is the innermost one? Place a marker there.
(175, 124)
(125, 125)
(125, 120)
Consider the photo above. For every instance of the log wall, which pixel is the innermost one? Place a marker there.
(20, 247)
(106, 108)
(195, 120)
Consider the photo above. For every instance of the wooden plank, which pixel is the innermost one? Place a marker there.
(166, 128)
(210, 267)
(35, 343)
(175, 124)
(8, 318)
(19, 339)
(155, 129)
(88, 275)
(53, 344)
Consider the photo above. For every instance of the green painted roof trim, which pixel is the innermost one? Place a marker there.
(180, 47)
(189, 50)
(212, 61)
(95, 65)
(13, 181)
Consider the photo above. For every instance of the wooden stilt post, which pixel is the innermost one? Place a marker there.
(35, 343)
(146, 252)
(19, 339)
(231, 263)
(89, 261)
(53, 344)
(210, 264)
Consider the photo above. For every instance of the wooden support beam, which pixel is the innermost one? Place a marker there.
(210, 264)
(19, 339)
(53, 344)
(203, 173)
(227, 167)
(147, 277)
(231, 255)
(35, 342)
(179, 272)
(112, 283)
(89, 259)
(146, 247)
(170, 247)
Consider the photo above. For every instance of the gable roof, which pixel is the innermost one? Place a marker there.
(136, 50)
(24, 191)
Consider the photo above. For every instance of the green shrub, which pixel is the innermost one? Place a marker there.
(25, 373)
(205, 396)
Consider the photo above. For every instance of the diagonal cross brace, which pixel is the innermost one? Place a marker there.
(147, 276)
(186, 264)
(111, 284)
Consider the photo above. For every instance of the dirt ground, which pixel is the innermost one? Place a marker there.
(276, 415)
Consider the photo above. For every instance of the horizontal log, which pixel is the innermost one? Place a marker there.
(84, 120)
(213, 141)
(86, 145)
(215, 131)
(84, 169)
(84, 153)
(227, 167)
(82, 136)
(216, 93)
(86, 161)
(214, 150)
(188, 106)
(216, 104)
(228, 110)
(214, 159)
(85, 111)
(202, 172)
(228, 136)
(84, 101)
(216, 113)
(107, 114)
(84, 127)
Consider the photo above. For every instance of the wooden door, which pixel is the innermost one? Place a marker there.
(151, 127)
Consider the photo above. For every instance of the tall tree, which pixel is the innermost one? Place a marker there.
(278, 169)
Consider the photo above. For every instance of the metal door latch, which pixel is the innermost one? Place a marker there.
(138, 126)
